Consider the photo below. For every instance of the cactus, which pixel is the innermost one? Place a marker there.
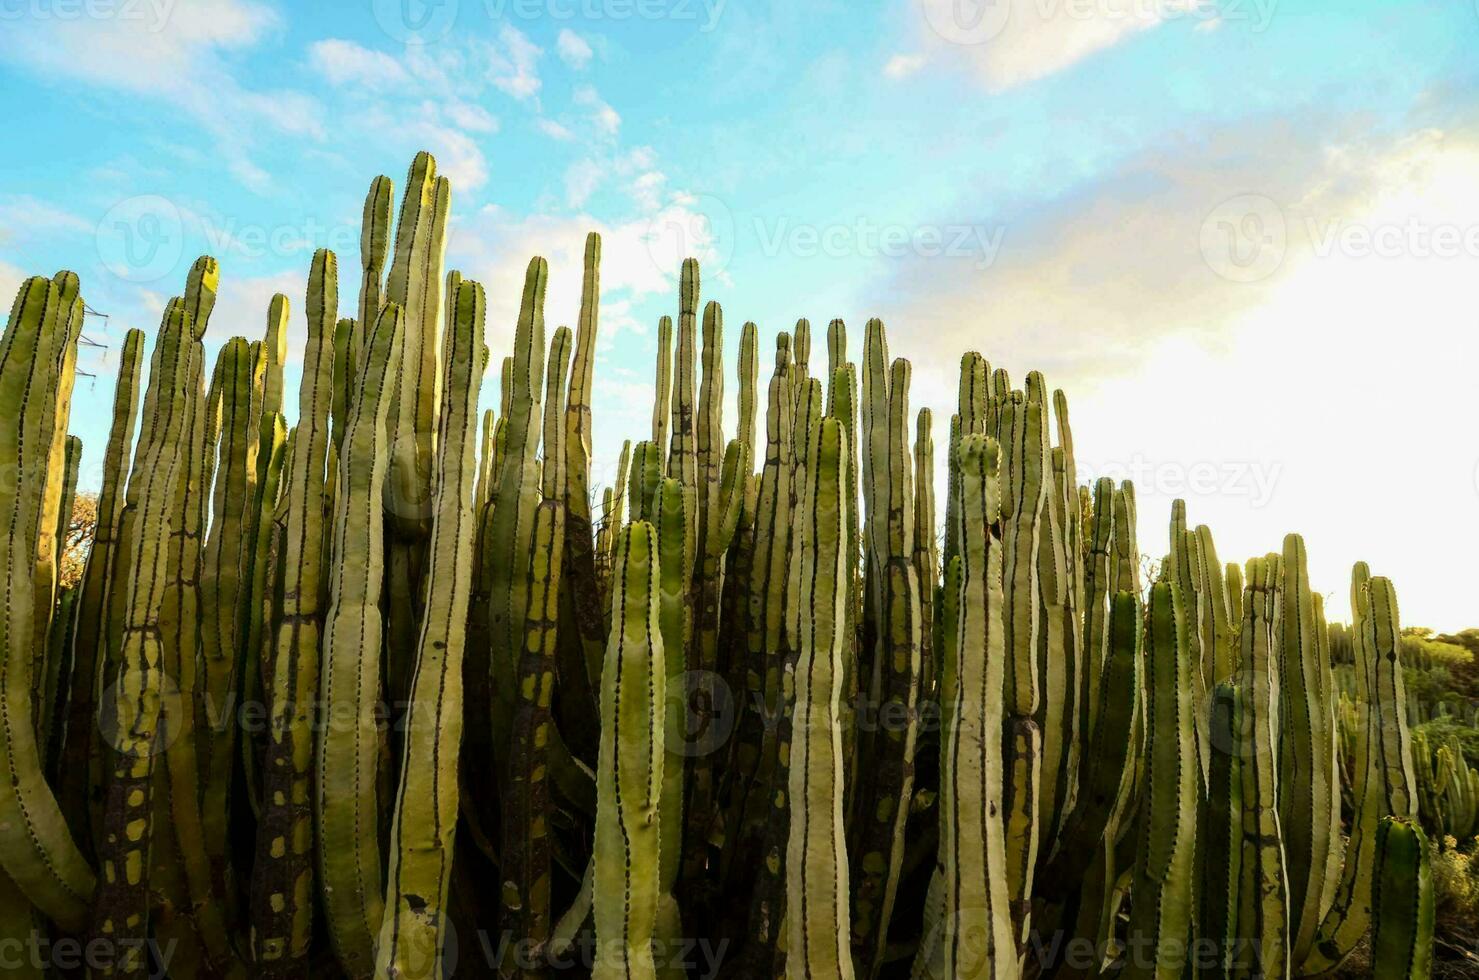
(1402, 941)
(1309, 798)
(629, 783)
(1135, 779)
(120, 907)
(348, 746)
(878, 831)
(282, 879)
(43, 862)
(79, 737)
(816, 856)
(1161, 917)
(978, 938)
(1262, 889)
(526, 847)
(411, 932)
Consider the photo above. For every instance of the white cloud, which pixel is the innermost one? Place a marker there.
(554, 130)
(605, 117)
(581, 180)
(346, 63)
(24, 218)
(903, 65)
(172, 52)
(574, 50)
(10, 281)
(513, 66)
(1012, 42)
(1319, 390)
(473, 118)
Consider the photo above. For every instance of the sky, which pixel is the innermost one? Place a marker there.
(1242, 235)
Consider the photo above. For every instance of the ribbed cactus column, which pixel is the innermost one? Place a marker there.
(1309, 789)
(348, 750)
(198, 930)
(120, 907)
(581, 600)
(80, 737)
(816, 854)
(526, 799)
(1220, 837)
(1023, 432)
(1263, 914)
(39, 855)
(1382, 783)
(978, 939)
(414, 283)
(877, 835)
(764, 624)
(1402, 942)
(412, 933)
(629, 776)
(1160, 930)
(282, 879)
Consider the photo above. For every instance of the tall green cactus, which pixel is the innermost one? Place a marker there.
(878, 832)
(629, 780)
(1402, 941)
(42, 859)
(349, 743)
(978, 938)
(79, 738)
(282, 878)
(816, 854)
(526, 806)
(120, 907)
(1309, 790)
(1160, 930)
(1263, 915)
(412, 933)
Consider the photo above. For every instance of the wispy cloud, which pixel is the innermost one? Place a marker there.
(514, 61)
(346, 63)
(605, 117)
(574, 50)
(1012, 42)
(903, 65)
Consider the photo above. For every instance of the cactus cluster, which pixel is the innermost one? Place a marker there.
(396, 692)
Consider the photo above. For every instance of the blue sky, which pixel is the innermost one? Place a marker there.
(1240, 233)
